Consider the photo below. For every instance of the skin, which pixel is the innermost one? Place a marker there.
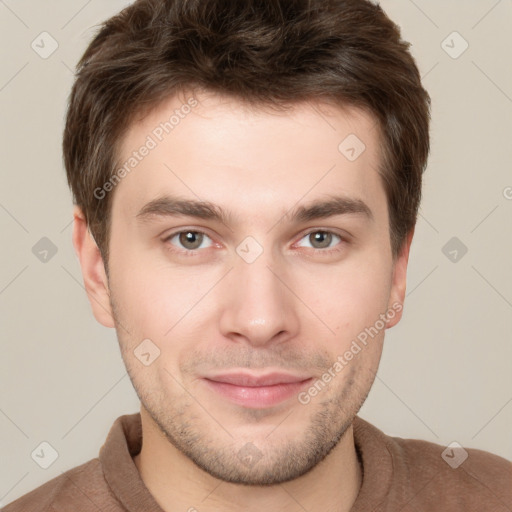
(293, 308)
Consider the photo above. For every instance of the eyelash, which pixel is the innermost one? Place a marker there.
(195, 252)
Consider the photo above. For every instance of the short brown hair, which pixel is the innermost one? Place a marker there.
(262, 52)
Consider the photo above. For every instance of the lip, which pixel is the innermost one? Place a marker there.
(257, 391)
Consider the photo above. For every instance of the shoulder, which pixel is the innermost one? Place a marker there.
(82, 485)
(448, 458)
(413, 475)
(455, 475)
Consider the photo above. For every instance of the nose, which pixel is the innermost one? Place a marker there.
(258, 309)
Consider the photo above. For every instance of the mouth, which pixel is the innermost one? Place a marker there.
(257, 391)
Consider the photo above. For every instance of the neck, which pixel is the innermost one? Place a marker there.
(176, 483)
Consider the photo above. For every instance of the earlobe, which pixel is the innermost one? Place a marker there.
(93, 269)
(399, 280)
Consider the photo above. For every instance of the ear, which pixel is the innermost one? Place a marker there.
(93, 269)
(398, 284)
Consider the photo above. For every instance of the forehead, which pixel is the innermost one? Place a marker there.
(216, 148)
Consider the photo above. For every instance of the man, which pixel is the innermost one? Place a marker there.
(247, 178)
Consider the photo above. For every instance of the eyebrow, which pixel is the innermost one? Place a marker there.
(169, 206)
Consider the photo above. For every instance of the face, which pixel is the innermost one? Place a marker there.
(251, 280)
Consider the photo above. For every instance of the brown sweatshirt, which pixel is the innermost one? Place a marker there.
(404, 475)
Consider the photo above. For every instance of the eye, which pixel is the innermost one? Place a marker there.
(190, 240)
(320, 239)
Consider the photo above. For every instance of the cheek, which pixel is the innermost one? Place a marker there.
(349, 297)
(153, 296)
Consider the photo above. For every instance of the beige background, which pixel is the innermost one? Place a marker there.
(446, 370)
